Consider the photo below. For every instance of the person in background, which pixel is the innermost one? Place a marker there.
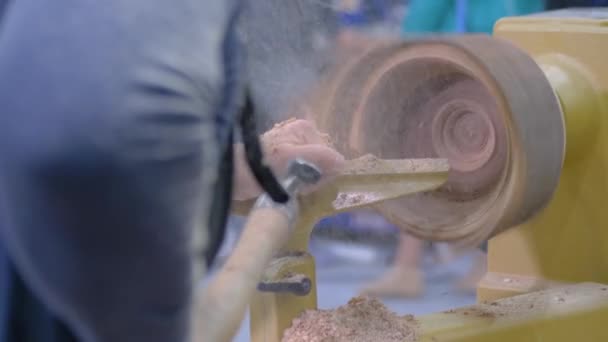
(405, 277)
(559, 4)
(363, 12)
(462, 16)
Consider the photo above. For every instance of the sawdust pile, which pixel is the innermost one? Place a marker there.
(363, 319)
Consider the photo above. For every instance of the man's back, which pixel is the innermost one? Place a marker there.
(109, 155)
(110, 147)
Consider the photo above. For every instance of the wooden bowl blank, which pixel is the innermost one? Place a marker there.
(479, 102)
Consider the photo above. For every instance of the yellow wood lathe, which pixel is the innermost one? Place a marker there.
(288, 287)
(522, 118)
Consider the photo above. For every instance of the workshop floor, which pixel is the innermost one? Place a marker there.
(342, 269)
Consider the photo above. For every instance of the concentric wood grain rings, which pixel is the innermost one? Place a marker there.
(479, 102)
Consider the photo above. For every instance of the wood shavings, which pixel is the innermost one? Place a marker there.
(348, 200)
(361, 165)
(327, 140)
(533, 304)
(294, 131)
(370, 164)
(363, 319)
(283, 123)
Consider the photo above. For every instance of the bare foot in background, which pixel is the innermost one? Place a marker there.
(478, 270)
(442, 253)
(398, 282)
(404, 278)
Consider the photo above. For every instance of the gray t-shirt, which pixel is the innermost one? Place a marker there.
(116, 118)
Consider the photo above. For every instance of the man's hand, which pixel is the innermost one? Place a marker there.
(284, 142)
